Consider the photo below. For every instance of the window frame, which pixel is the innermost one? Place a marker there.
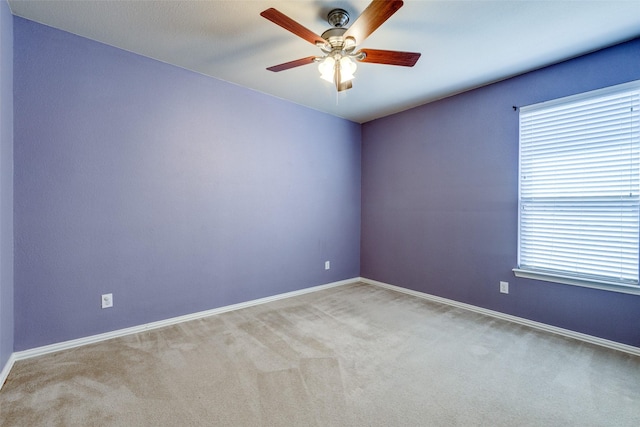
(557, 276)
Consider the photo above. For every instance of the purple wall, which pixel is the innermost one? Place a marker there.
(440, 195)
(6, 183)
(174, 191)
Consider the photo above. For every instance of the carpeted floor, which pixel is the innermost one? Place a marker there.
(355, 355)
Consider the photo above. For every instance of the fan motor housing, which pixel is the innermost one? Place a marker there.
(334, 36)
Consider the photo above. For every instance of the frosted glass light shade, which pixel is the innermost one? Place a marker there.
(347, 68)
(328, 69)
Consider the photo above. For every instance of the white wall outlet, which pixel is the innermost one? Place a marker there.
(107, 300)
(327, 265)
(504, 287)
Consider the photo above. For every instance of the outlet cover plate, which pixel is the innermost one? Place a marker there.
(107, 300)
(504, 287)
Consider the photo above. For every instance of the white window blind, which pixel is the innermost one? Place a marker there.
(580, 185)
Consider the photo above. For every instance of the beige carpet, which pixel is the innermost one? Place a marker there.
(356, 355)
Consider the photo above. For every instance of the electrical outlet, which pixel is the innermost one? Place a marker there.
(107, 300)
(504, 287)
(327, 265)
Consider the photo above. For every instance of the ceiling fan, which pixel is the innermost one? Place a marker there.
(338, 44)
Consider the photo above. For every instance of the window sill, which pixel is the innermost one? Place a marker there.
(585, 283)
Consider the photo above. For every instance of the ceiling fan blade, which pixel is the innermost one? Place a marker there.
(344, 86)
(292, 64)
(373, 16)
(289, 24)
(390, 57)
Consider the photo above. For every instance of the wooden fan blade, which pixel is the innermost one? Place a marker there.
(390, 57)
(289, 24)
(373, 16)
(344, 86)
(292, 64)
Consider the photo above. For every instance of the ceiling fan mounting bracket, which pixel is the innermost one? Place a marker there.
(338, 18)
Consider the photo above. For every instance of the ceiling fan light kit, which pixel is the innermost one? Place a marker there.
(340, 70)
(338, 44)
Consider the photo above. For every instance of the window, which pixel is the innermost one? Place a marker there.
(579, 189)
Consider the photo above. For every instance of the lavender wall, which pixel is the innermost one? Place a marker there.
(439, 199)
(174, 191)
(6, 183)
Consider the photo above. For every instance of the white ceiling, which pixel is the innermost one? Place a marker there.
(464, 44)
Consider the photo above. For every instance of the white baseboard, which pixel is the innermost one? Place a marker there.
(522, 321)
(7, 368)
(65, 345)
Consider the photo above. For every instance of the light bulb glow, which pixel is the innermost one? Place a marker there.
(327, 69)
(347, 68)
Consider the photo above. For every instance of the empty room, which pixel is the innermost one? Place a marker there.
(319, 213)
